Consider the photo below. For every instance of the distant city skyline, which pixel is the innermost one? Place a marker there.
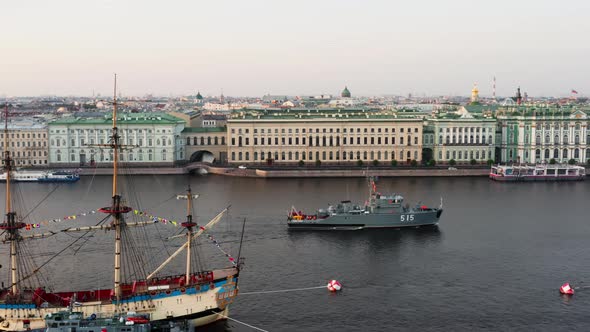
(258, 47)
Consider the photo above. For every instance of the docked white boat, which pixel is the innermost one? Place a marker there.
(41, 176)
(540, 172)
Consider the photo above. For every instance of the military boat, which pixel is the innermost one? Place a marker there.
(379, 211)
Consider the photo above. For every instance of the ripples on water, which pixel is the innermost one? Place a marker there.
(494, 263)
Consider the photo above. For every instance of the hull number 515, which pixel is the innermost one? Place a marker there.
(407, 217)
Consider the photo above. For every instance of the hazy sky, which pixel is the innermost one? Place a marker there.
(72, 47)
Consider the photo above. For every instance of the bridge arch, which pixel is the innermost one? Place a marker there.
(202, 156)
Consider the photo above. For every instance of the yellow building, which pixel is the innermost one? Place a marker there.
(330, 136)
(27, 142)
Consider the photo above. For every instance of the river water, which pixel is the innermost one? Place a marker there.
(495, 262)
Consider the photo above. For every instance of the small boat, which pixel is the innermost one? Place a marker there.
(42, 176)
(540, 172)
(380, 211)
(67, 321)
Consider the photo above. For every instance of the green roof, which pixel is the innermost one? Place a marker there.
(122, 119)
(204, 130)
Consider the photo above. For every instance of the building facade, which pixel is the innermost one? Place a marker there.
(532, 135)
(327, 136)
(464, 140)
(149, 138)
(205, 144)
(27, 143)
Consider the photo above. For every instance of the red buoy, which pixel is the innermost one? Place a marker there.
(566, 289)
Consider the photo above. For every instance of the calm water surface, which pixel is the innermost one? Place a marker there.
(494, 263)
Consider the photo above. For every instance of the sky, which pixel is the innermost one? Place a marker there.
(257, 47)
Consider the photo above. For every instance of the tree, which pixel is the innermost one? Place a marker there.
(490, 162)
(394, 162)
(375, 162)
(552, 161)
(318, 163)
(414, 163)
(431, 163)
(571, 161)
(473, 161)
(301, 163)
(359, 163)
(452, 162)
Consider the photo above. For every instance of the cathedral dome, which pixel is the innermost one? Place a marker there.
(345, 93)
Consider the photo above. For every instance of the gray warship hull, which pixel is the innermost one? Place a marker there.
(369, 220)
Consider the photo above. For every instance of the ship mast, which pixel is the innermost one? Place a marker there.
(188, 224)
(117, 210)
(10, 225)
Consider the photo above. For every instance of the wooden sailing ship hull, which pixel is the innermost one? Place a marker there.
(200, 304)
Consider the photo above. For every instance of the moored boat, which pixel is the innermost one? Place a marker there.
(380, 211)
(41, 176)
(539, 172)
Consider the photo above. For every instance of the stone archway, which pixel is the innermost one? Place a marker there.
(202, 156)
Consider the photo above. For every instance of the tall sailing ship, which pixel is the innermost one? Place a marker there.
(195, 295)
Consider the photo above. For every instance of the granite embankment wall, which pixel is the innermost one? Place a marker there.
(291, 173)
(350, 173)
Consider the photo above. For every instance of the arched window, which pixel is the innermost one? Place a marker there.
(209, 140)
(164, 155)
(409, 154)
(483, 140)
(556, 139)
(365, 155)
(372, 155)
(290, 155)
(256, 155)
(547, 153)
(158, 142)
(331, 155)
(58, 155)
(538, 154)
(538, 139)
(216, 140)
(577, 153)
(555, 153)
(233, 155)
(195, 140)
(324, 155)
(547, 139)
(564, 153)
(577, 139)
(358, 155)
(188, 141)
(276, 155)
(565, 139)
(269, 155)
(296, 155)
(130, 156)
(317, 155)
(202, 140)
(247, 155)
(150, 155)
(379, 155)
